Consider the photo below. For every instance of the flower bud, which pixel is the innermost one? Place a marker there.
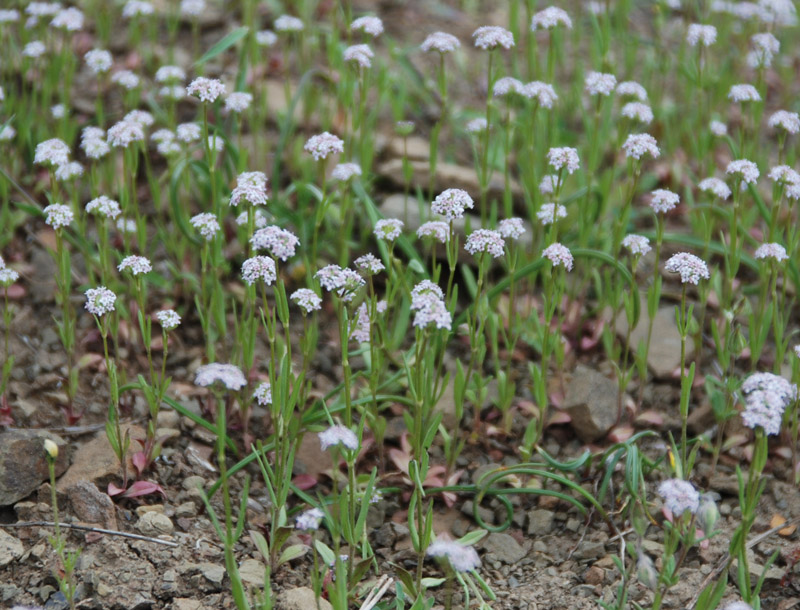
(51, 448)
(707, 514)
(646, 572)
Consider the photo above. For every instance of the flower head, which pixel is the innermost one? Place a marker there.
(259, 268)
(346, 171)
(126, 79)
(288, 23)
(599, 83)
(771, 250)
(718, 128)
(137, 265)
(58, 215)
(493, 36)
(170, 74)
(435, 312)
(550, 18)
(744, 93)
(559, 255)
(549, 213)
(206, 224)
(679, 496)
(70, 19)
(279, 242)
(788, 121)
(543, 93)
(549, 184)
(369, 25)
(511, 228)
(69, 171)
(345, 282)
(98, 60)
(745, 170)
(122, 133)
(630, 88)
(323, 145)
(452, 203)
(639, 144)
(7, 276)
(463, 558)
(36, 48)
(338, 435)
(360, 54)
(368, 264)
(504, 86)
(663, 201)
(690, 267)
(100, 301)
(360, 325)
(638, 245)
(441, 42)
(565, 157)
(306, 299)
(476, 125)
(188, 132)
(52, 152)
(485, 241)
(388, 229)
(169, 319)
(435, 229)
(783, 174)
(766, 396)
(705, 35)
(137, 8)
(206, 89)
(229, 375)
(192, 8)
(765, 47)
(251, 187)
(238, 101)
(309, 520)
(266, 38)
(715, 187)
(637, 111)
(263, 394)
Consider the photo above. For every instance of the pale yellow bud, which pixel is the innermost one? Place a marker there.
(51, 448)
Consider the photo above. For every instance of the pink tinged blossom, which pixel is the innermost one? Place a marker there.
(188, 132)
(137, 8)
(52, 152)
(663, 201)
(766, 397)
(36, 49)
(771, 251)
(306, 299)
(788, 121)
(388, 229)
(485, 241)
(548, 184)
(251, 187)
(259, 268)
(125, 79)
(228, 375)
(549, 213)
(309, 520)
(169, 319)
(550, 18)
(476, 125)
(783, 174)
(441, 42)
(369, 25)
(599, 83)
(704, 35)
(137, 265)
(368, 265)
(279, 242)
(192, 8)
(69, 171)
(206, 89)
(452, 203)
(745, 170)
(637, 111)
(100, 301)
(338, 435)
(323, 145)
(140, 117)
(679, 496)
(346, 171)
(543, 93)
(58, 215)
(360, 54)
(631, 88)
(70, 19)
(206, 224)
(7, 276)
(690, 267)
(424, 293)
(360, 325)
(744, 93)
(167, 74)
(461, 557)
(436, 229)
(103, 206)
(330, 277)
(123, 133)
(98, 60)
(564, 158)
(263, 394)
(559, 255)
(737, 606)
(434, 313)
(765, 47)
(511, 228)
(238, 101)
(638, 245)
(716, 187)
(638, 145)
(718, 128)
(490, 37)
(288, 23)
(504, 86)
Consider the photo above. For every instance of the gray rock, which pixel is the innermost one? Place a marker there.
(187, 509)
(89, 504)
(540, 522)
(154, 524)
(23, 463)
(301, 598)
(592, 403)
(252, 572)
(590, 550)
(193, 482)
(504, 547)
(10, 549)
(212, 572)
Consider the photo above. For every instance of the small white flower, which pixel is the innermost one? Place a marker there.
(462, 558)
(288, 23)
(441, 42)
(69, 171)
(279, 242)
(511, 228)
(639, 144)
(346, 171)
(323, 145)
(476, 125)
(238, 102)
(690, 267)
(716, 187)
(170, 74)
(368, 264)
(263, 394)
(169, 319)
(137, 265)
(744, 93)
(550, 18)
(771, 250)
(559, 255)
(543, 93)
(206, 224)
(137, 8)
(705, 35)
(369, 25)
(100, 301)
(98, 60)
(36, 49)
(599, 83)
(338, 435)
(745, 170)
(309, 520)
(637, 244)
(266, 38)
(492, 36)
(188, 132)
(229, 375)
(504, 86)
(565, 157)
(452, 203)
(360, 54)
(631, 88)
(51, 152)
(259, 268)
(788, 121)
(663, 201)
(485, 241)
(638, 112)
(549, 213)
(57, 215)
(436, 229)
(126, 79)
(306, 299)
(388, 229)
(718, 128)
(206, 89)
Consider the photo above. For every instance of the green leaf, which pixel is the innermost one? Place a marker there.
(292, 552)
(223, 45)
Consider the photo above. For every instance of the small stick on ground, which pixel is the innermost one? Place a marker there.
(88, 528)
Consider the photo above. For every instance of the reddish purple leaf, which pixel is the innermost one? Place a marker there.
(304, 482)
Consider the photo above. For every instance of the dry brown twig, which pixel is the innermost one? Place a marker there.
(88, 528)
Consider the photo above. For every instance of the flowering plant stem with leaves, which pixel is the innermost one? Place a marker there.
(69, 559)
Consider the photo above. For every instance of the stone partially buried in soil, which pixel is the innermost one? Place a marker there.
(23, 463)
(91, 505)
(301, 598)
(592, 403)
(10, 549)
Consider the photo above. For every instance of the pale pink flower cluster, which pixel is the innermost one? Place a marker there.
(98, 60)
(599, 83)
(690, 267)
(441, 42)
(263, 394)
(206, 89)
(715, 187)
(718, 128)
(663, 201)
(476, 125)
(188, 132)
(486, 241)
(783, 174)
(771, 250)
(125, 132)
(70, 19)
(137, 265)
(637, 145)
(549, 213)
(369, 25)
(705, 35)
(137, 8)
(638, 245)
(543, 93)
(461, 557)
(511, 228)
(100, 301)
(346, 171)
(259, 268)
(630, 88)
(368, 264)
(564, 158)
(323, 145)
(744, 93)
(452, 203)
(493, 36)
(266, 38)
(505, 85)
(679, 496)
(51, 152)
(745, 170)
(58, 215)
(388, 229)
(435, 229)
(338, 435)
(69, 171)
(228, 375)
(306, 299)
(169, 319)
(766, 397)
(360, 54)
(559, 254)
(238, 101)
(765, 47)
(783, 119)
(126, 79)
(638, 111)
(251, 187)
(548, 184)
(345, 282)
(170, 74)
(309, 520)
(549, 18)
(206, 224)
(279, 242)
(361, 325)
(288, 23)
(427, 299)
